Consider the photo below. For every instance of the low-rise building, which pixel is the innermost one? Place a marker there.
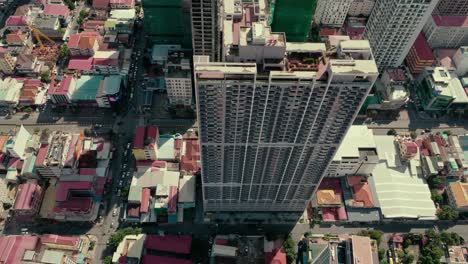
(101, 4)
(439, 90)
(457, 193)
(460, 59)
(28, 202)
(130, 249)
(145, 143)
(7, 62)
(27, 65)
(391, 91)
(83, 44)
(106, 62)
(122, 4)
(361, 249)
(57, 10)
(10, 90)
(357, 155)
(15, 23)
(456, 255)
(50, 26)
(61, 90)
(109, 91)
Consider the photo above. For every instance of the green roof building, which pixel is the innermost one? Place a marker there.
(292, 17)
(168, 22)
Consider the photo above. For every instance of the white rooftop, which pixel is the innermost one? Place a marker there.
(123, 14)
(402, 195)
(357, 137)
(305, 47)
(187, 189)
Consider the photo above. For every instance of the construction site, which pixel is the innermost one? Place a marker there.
(46, 53)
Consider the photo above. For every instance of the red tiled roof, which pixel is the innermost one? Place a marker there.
(333, 213)
(15, 38)
(75, 204)
(422, 48)
(93, 23)
(56, 10)
(139, 138)
(65, 186)
(275, 257)
(41, 154)
(100, 3)
(145, 196)
(121, 2)
(172, 203)
(25, 195)
(82, 40)
(61, 87)
(153, 259)
(450, 21)
(189, 159)
(170, 243)
(13, 163)
(16, 21)
(60, 240)
(362, 193)
(221, 241)
(12, 248)
(81, 64)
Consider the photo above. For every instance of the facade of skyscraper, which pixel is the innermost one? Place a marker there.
(332, 13)
(204, 30)
(270, 123)
(393, 27)
(168, 22)
(293, 17)
(452, 8)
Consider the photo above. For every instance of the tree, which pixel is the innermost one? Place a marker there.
(374, 234)
(70, 4)
(407, 242)
(307, 234)
(450, 239)
(108, 260)
(28, 110)
(45, 76)
(288, 248)
(382, 253)
(87, 132)
(447, 213)
(407, 258)
(383, 261)
(436, 197)
(117, 237)
(125, 191)
(434, 181)
(413, 135)
(448, 132)
(392, 132)
(64, 51)
(138, 9)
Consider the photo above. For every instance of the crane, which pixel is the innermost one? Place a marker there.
(38, 34)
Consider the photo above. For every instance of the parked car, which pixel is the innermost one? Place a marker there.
(114, 213)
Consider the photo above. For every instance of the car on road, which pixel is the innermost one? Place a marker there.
(120, 183)
(125, 153)
(112, 224)
(114, 213)
(124, 166)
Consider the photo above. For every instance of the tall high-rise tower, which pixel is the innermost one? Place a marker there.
(204, 30)
(393, 27)
(332, 13)
(293, 17)
(270, 123)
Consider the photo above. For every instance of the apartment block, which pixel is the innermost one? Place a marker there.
(419, 56)
(452, 8)
(457, 193)
(332, 13)
(270, 123)
(361, 7)
(446, 31)
(393, 27)
(204, 27)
